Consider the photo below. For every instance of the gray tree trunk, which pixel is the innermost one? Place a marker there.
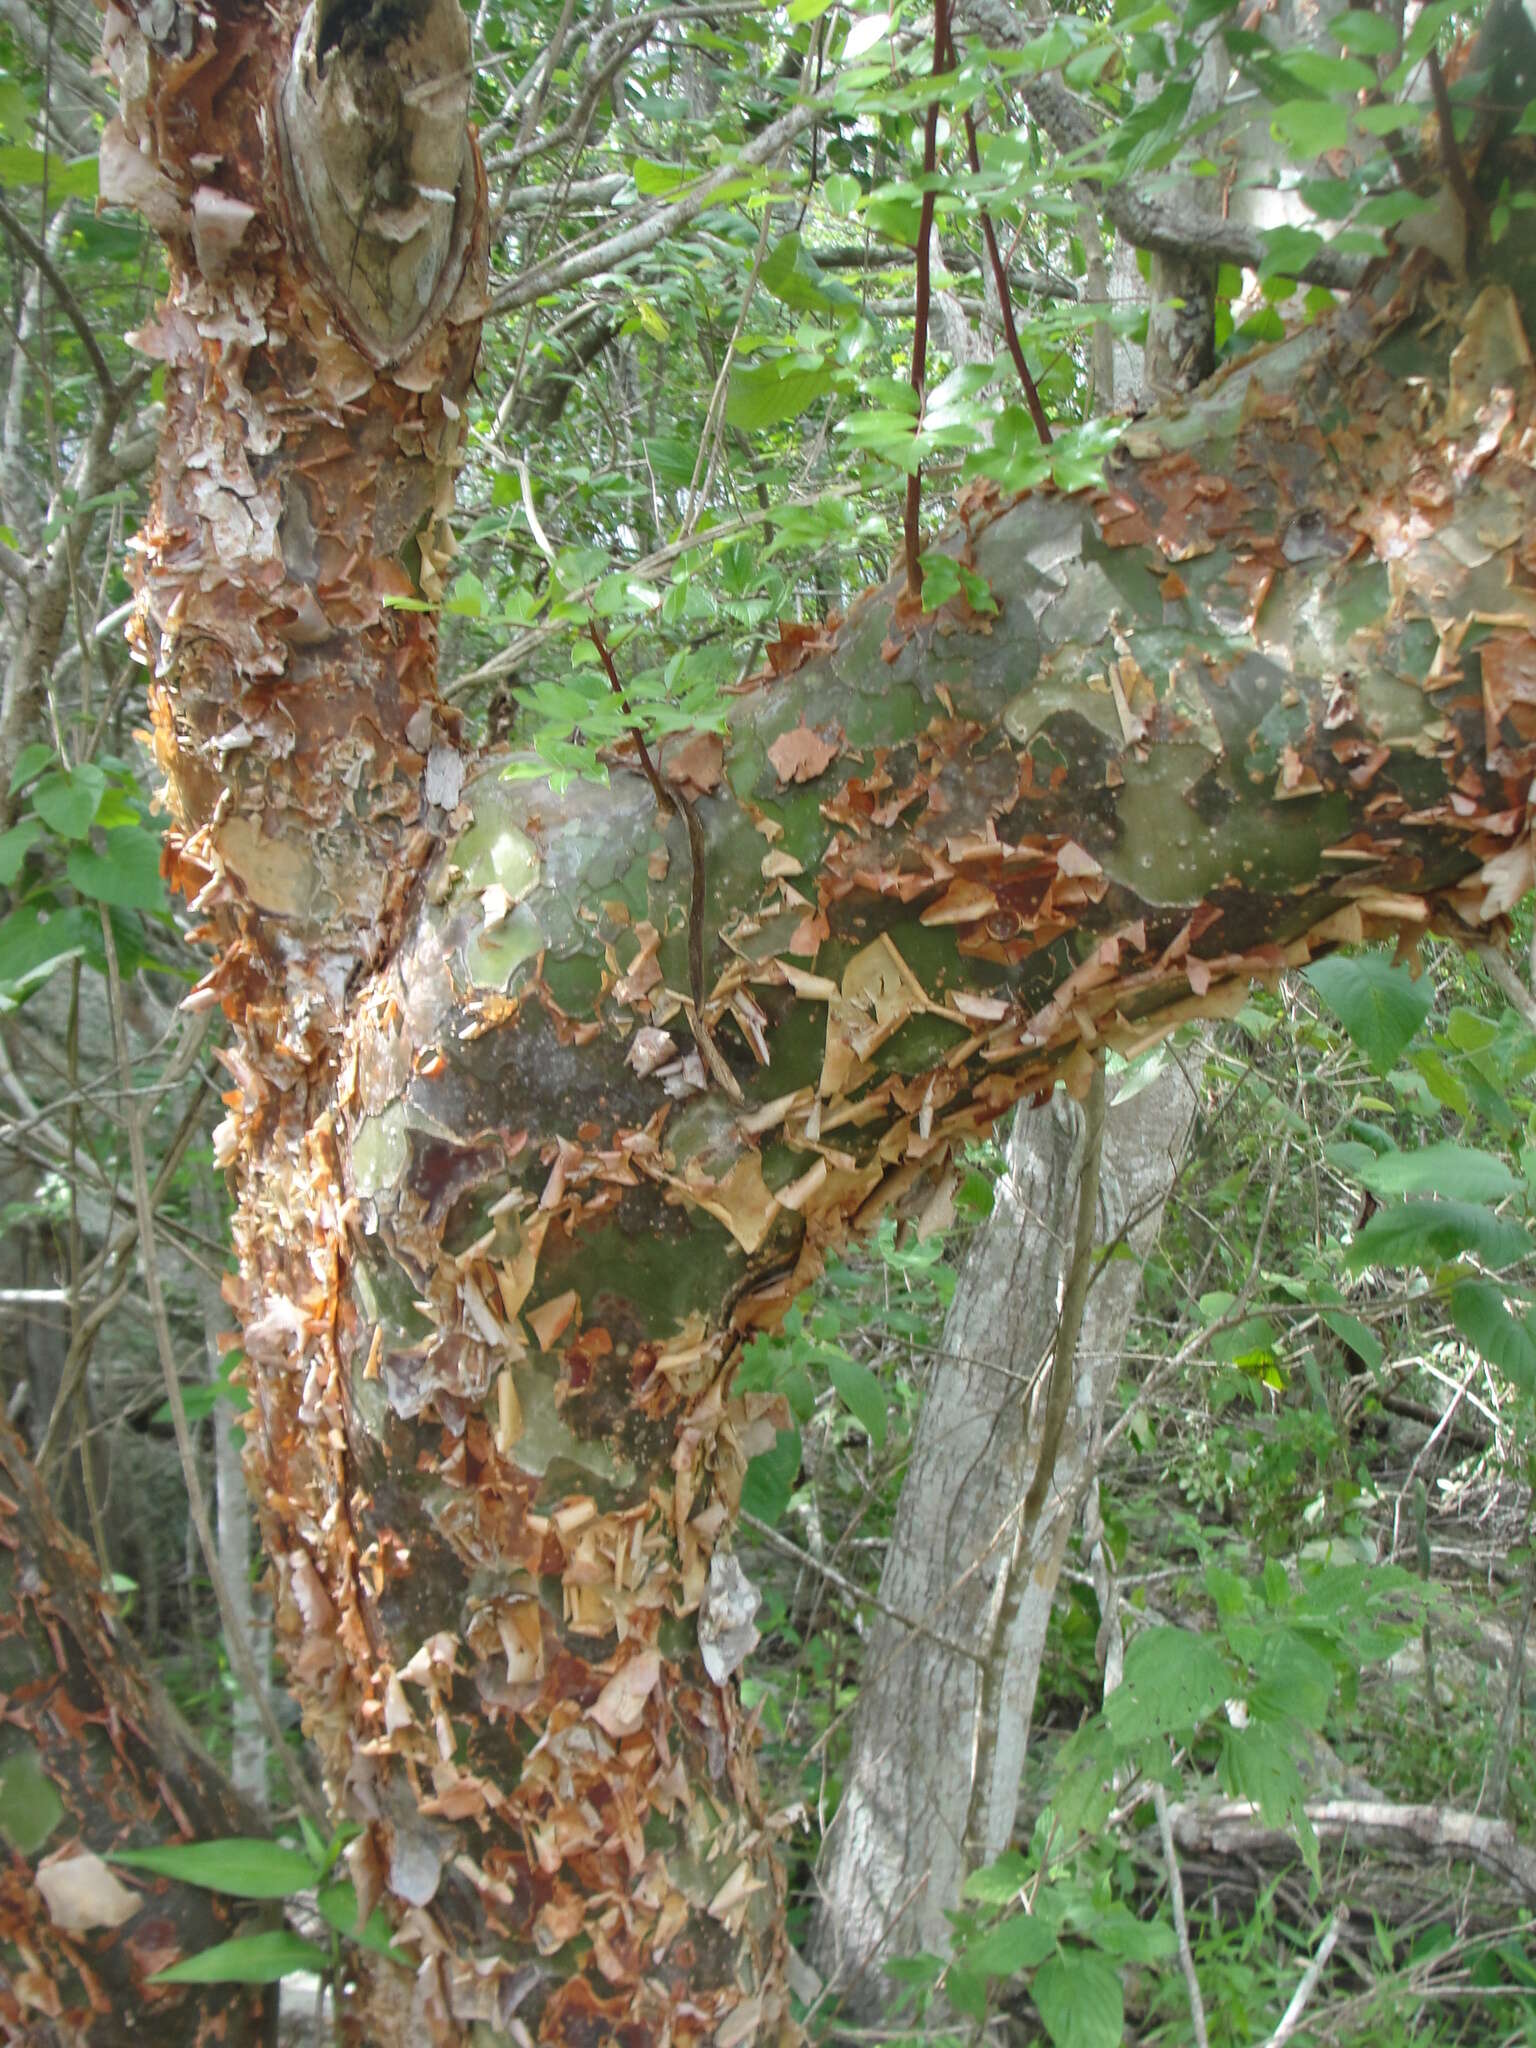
(920, 1805)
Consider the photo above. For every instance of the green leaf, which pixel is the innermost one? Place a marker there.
(1116, 1930)
(1309, 127)
(249, 1959)
(759, 397)
(127, 875)
(999, 1881)
(771, 1478)
(1360, 1337)
(338, 1905)
(1078, 1998)
(652, 180)
(1020, 1942)
(1459, 1172)
(66, 800)
(1481, 1313)
(34, 944)
(1256, 1765)
(1431, 1233)
(1173, 1680)
(840, 191)
(14, 847)
(1371, 34)
(1379, 1005)
(242, 1867)
(30, 1807)
(862, 1395)
(32, 760)
(20, 165)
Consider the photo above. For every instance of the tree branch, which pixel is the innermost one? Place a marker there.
(1149, 224)
(617, 250)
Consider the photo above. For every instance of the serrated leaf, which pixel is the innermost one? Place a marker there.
(1079, 2000)
(1116, 1930)
(249, 1959)
(1431, 1234)
(1379, 1005)
(1256, 1765)
(34, 945)
(241, 1867)
(1173, 1680)
(1020, 1942)
(999, 1881)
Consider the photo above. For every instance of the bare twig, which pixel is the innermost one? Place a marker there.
(1290, 2019)
(35, 253)
(1180, 1919)
(766, 1533)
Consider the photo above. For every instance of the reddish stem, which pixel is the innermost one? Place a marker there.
(1000, 276)
(663, 797)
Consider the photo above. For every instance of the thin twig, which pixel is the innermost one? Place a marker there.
(1000, 276)
(768, 1534)
(1180, 1920)
(1290, 2019)
(35, 253)
(239, 1649)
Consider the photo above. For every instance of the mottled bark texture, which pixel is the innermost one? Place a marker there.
(502, 1225)
(92, 1759)
(932, 1784)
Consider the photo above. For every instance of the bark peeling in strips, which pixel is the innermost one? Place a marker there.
(93, 1759)
(501, 1234)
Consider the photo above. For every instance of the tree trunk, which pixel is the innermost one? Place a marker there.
(932, 1783)
(501, 1228)
(93, 1758)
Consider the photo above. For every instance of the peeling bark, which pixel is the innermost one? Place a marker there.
(92, 1759)
(533, 1121)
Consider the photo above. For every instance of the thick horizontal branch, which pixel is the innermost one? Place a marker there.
(1149, 224)
(1232, 1827)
